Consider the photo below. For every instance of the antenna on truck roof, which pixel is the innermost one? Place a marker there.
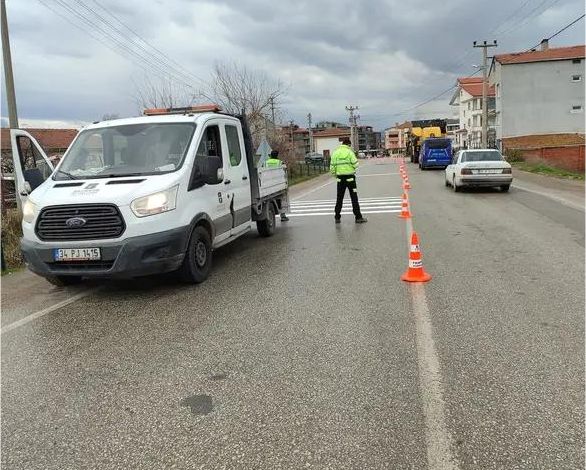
(202, 108)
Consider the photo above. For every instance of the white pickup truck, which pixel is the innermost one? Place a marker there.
(145, 195)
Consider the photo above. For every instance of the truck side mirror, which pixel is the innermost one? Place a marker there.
(212, 170)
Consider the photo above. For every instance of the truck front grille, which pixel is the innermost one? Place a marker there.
(79, 222)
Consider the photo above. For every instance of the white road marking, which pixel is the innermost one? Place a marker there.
(378, 174)
(331, 213)
(362, 204)
(40, 313)
(437, 436)
(360, 199)
(314, 190)
(559, 199)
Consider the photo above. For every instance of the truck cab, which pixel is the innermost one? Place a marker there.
(146, 195)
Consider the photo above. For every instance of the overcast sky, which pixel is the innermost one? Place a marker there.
(384, 56)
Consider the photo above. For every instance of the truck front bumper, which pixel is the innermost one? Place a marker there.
(133, 257)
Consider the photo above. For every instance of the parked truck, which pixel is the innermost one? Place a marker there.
(420, 131)
(145, 195)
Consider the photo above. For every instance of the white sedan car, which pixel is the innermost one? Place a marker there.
(479, 167)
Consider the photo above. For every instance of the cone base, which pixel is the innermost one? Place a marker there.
(423, 277)
(404, 216)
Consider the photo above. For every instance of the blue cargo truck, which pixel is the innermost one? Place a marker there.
(435, 153)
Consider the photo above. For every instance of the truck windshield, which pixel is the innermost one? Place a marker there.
(132, 150)
(482, 156)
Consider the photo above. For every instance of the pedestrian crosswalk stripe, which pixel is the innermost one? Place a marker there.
(325, 207)
(362, 200)
(332, 204)
(331, 213)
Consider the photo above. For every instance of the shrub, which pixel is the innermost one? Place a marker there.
(514, 155)
(11, 234)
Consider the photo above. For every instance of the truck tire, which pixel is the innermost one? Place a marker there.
(266, 227)
(63, 281)
(197, 263)
(505, 187)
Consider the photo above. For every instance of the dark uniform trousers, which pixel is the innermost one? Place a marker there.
(347, 181)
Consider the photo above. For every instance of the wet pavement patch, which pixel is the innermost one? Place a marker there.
(219, 376)
(198, 404)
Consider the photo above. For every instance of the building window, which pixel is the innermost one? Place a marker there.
(576, 61)
(577, 108)
(576, 78)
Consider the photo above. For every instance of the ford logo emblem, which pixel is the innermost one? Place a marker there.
(75, 222)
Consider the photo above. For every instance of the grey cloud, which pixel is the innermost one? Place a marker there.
(384, 55)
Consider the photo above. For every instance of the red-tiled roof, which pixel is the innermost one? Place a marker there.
(333, 133)
(543, 141)
(50, 139)
(473, 86)
(554, 53)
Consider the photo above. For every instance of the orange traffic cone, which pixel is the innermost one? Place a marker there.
(405, 212)
(415, 271)
(406, 184)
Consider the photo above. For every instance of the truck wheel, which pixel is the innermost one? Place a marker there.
(198, 259)
(505, 187)
(62, 281)
(266, 227)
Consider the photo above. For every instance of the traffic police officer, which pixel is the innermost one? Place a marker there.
(274, 162)
(343, 166)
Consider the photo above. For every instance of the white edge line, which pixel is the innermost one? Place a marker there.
(45, 311)
(312, 190)
(561, 200)
(437, 436)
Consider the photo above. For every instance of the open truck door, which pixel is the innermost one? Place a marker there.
(31, 165)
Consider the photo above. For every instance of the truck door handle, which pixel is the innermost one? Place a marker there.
(245, 177)
(227, 181)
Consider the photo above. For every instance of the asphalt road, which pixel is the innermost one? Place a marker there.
(305, 350)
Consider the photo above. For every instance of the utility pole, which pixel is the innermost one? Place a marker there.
(310, 133)
(272, 102)
(353, 119)
(8, 77)
(291, 124)
(485, 45)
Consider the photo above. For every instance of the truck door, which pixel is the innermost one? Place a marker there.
(217, 197)
(31, 165)
(239, 185)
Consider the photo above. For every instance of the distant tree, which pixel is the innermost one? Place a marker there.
(158, 93)
(110, 117)
(236, 87)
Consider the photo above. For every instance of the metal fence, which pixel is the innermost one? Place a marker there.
(301, 169)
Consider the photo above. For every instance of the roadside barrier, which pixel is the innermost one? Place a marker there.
(405, 212)
(415, 271)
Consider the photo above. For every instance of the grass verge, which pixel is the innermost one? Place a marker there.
(11, 233)
(543, 169)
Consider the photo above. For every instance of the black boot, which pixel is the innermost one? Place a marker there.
(361, 220)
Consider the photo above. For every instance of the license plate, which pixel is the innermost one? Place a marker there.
(489, 172)
(76, 254)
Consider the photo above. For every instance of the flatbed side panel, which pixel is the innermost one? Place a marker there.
(271, 180)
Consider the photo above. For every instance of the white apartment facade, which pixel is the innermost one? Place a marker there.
(539, 92)
(468, 99)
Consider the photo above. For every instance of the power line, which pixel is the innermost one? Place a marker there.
(559, 32)
(158, 52)
(119, 32)
(116, 44)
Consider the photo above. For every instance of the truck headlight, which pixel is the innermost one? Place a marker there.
(28, 211)
(155, 203)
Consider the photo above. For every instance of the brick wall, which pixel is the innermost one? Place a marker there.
(569, 157)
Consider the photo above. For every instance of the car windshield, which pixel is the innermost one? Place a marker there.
(132, 150)
(482, 156)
